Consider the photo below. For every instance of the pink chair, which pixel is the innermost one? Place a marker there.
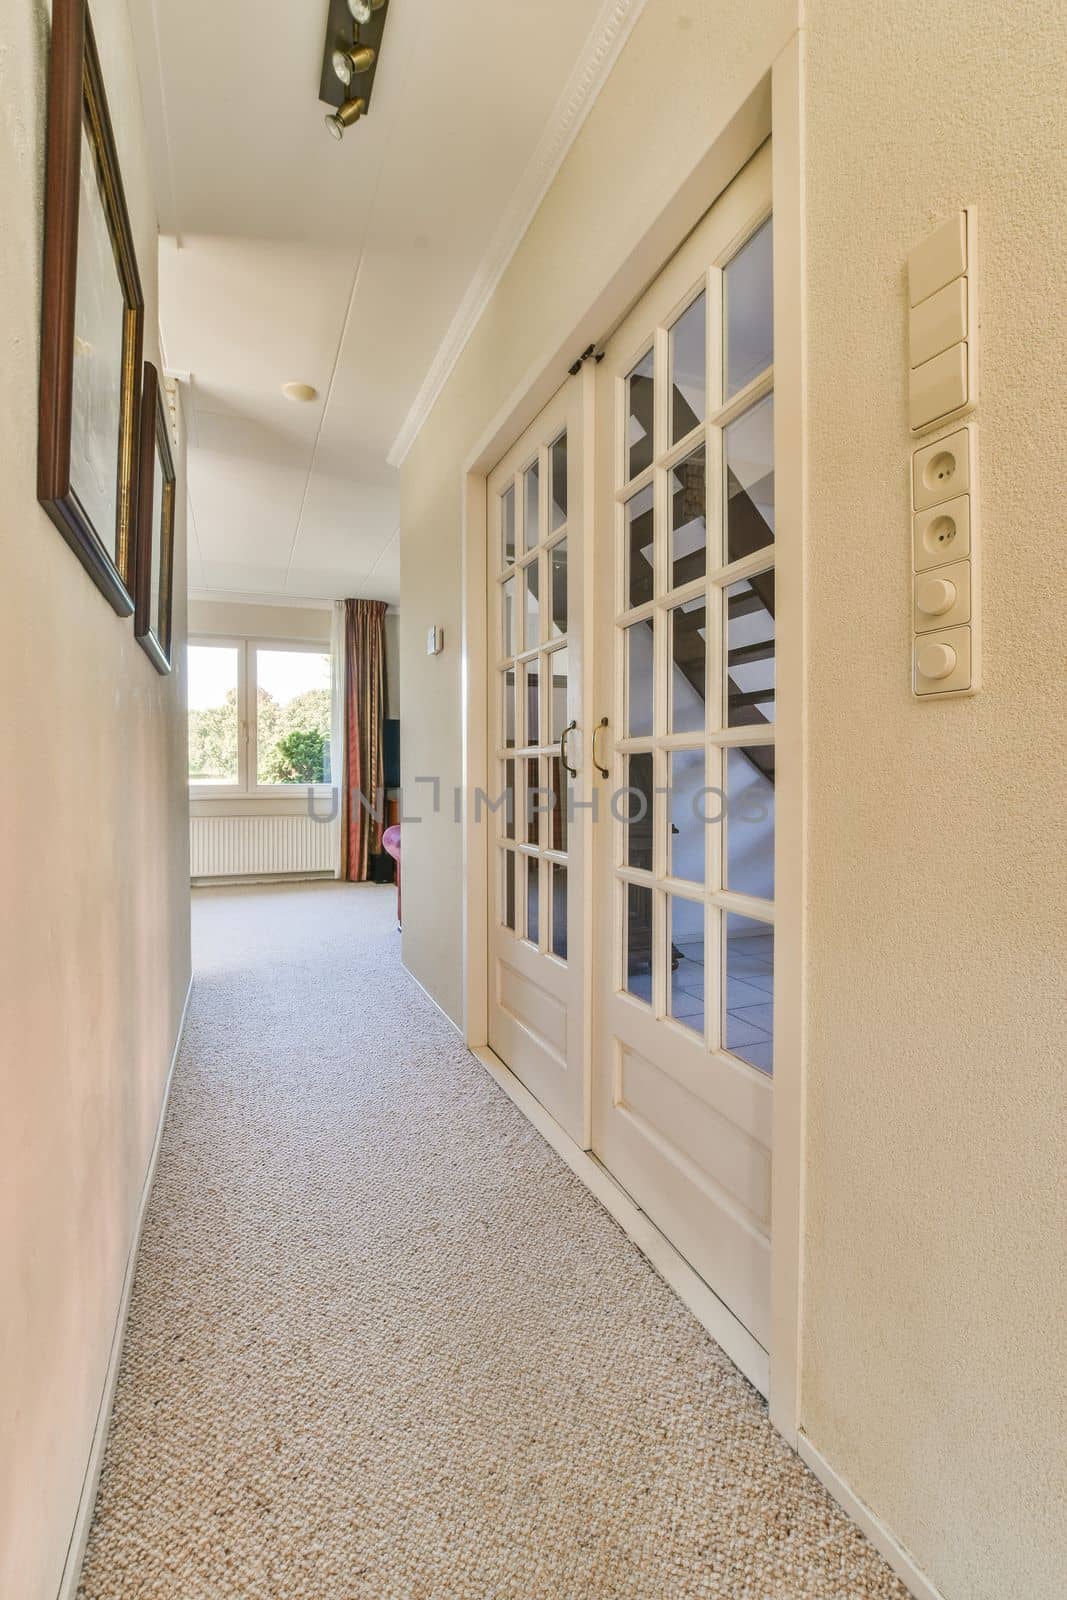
(391, 844)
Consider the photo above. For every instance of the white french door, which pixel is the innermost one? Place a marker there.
(655, 921)
(684, 560)
(539, 847)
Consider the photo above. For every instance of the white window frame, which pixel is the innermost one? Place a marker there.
(247, 786)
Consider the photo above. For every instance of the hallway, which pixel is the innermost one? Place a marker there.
(384, 1344)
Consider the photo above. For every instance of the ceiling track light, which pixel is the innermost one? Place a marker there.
(351, 53)
(350, 63)
(345, 115)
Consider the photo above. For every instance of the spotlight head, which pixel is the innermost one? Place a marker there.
(347, 63)
(363, 10)
(344, 117)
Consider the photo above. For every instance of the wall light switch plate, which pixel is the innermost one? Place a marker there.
(938, 323)
(943, 323)
(938, 388)
(942, 597)
(937, 259)
(941, 663)
(435, 641)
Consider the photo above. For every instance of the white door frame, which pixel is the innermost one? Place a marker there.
(771, 105)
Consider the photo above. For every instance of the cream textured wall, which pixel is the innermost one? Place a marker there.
(235, 620)
(933, 1352)
(935, 1372)
(94, 939)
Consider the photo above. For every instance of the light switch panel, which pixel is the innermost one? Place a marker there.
(943, 385)
(938, 259)
(938, 323)
(943, 323)
(939, 387)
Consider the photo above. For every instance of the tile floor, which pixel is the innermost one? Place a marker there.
(749, 988)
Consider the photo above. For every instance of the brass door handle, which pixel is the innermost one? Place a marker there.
(600, 725)
(563, 749)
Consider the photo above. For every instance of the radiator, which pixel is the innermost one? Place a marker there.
(238, 847)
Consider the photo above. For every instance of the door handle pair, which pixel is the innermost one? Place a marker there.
(601, 725)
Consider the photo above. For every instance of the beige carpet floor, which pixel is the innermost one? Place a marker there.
(383, 1345)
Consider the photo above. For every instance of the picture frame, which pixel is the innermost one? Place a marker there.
(92, 320)
(156, 499)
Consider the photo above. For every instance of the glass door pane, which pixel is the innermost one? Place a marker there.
(688, 366)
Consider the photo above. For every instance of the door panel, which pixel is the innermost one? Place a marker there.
(538, 935)
(683, 871)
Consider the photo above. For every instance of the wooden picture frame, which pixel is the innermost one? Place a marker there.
(157, 491)
(92, 320)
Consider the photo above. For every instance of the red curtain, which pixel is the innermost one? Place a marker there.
(364, 712)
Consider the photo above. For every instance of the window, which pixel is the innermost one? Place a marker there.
(292, 715)
(214, 718)
(259, 716)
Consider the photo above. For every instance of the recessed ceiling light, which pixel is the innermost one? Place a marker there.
(299, 391)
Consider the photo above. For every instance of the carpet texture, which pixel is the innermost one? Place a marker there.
(383, 1345)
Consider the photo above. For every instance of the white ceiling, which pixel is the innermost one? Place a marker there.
(286, 256)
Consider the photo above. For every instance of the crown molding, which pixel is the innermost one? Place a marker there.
(293, 602)
(237, 597)
(606, 39)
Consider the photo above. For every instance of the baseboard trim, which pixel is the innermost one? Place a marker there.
(452, 1023)
(718, 1320)
(244, 878)
(68, 1583)
(915, 1581)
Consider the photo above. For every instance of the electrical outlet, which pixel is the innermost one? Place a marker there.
(942, 534)
(941, 471)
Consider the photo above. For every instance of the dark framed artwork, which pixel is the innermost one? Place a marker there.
(154, 564)
(92, 320)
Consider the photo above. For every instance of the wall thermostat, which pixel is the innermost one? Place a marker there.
(435, 641)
